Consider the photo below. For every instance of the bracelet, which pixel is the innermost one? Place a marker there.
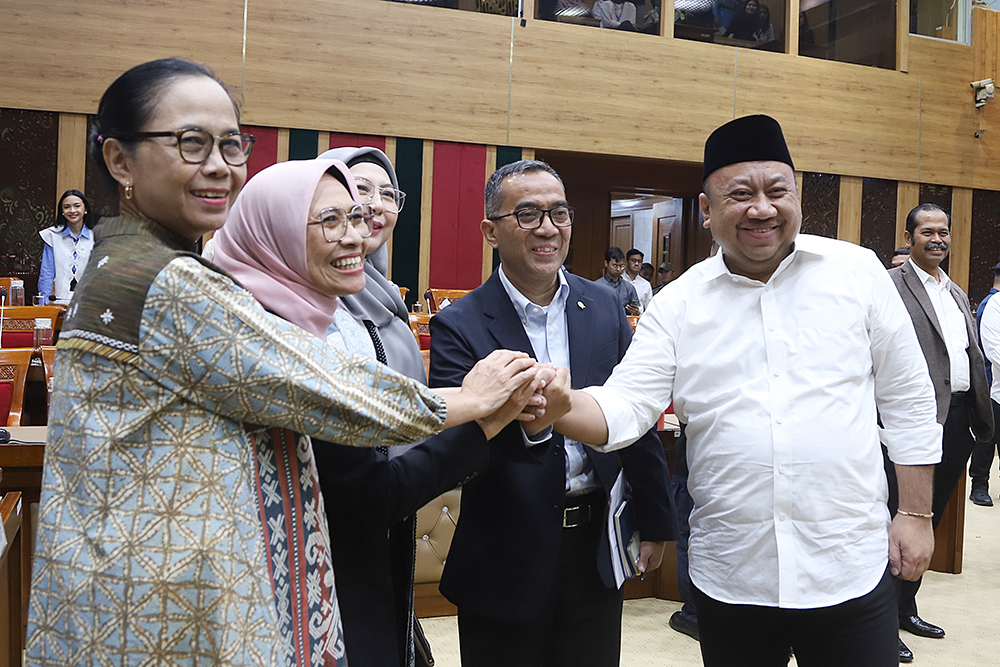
(919, 515)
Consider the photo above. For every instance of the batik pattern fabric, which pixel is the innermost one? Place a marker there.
(151, 548)
(299, 553)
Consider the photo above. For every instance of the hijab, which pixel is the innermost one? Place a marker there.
(263, 243)
(380, 301)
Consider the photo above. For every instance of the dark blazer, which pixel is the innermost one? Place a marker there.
(932, 343)
(505, 552)
(370, 501)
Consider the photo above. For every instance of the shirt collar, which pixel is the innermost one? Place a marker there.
(521, 302)
(927, 278)
(805, 244)
(84, 233)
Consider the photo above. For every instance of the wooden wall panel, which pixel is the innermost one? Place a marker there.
(110, 36)
(71, 169)
(849, 220)
(949, 151)
(412, 71)
(961, 236)
(837, 118)
(390, 69)
(685, 90)
(908, 196)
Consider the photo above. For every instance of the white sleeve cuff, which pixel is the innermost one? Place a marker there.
(623, 428)
(914, 446)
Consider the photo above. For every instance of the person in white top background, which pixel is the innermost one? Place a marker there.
(633, 264)
(777, 353)
(946, 330)
(67, 246)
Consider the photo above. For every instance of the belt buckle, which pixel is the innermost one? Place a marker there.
(585, 517)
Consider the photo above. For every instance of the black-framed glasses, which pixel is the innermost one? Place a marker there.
(392, 199)
(195, 145)
(531, 218)
(334, 221)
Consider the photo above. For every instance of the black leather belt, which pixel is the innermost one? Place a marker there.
(582, 510)
(960, 398)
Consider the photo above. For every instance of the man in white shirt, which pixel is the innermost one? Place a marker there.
(633, 265)
(989, 336)
(777, 352)
(946, 330)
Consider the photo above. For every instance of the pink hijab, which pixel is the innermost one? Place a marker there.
(263, 243)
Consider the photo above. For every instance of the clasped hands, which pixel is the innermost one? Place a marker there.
(511, 385)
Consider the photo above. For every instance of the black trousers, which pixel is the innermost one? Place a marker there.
(862, 632)
(956, 447)
(982, 455)
(580, 624)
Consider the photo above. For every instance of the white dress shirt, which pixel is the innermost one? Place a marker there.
(989, 335)
(953, 326)
(642, 288)
(549, 337)
(778, 383)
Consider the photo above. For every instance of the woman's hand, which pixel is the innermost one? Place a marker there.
(493, 379)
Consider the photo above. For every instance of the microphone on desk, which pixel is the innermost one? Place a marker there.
(4, 436)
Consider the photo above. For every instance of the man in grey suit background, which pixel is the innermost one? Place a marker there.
(946, 330)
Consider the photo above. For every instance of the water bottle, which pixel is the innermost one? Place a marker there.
(16, 292)
(43, 331)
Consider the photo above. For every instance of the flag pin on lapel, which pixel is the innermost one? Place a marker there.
(580, 304)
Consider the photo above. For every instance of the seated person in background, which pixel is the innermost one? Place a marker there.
(614, 267)
(744, 23)
(765, 31)
(67, 246)
(724, 11)
(615, 14)
(899, 256)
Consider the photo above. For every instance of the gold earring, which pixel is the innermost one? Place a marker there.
(128, 191)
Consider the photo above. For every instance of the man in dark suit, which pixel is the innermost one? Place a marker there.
(946, 330)
(530, 565)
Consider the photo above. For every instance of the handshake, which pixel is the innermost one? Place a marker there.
(510, 385)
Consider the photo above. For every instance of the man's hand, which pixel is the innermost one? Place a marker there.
(911, 545)
(528, 399)
(650, 556)
(557, 394)
(632, 309)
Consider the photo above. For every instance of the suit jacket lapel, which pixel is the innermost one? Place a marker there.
(502, 320)
(579, 321)
(919, 292)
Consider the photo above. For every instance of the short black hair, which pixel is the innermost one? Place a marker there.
(903, 250)
(646, 266)
(614, 254)
(130, 101)
(996, 272)
(633, 252)
(493, 192)
(911, 217)
(89, 220)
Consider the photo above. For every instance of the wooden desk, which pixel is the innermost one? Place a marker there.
(11, 624)
(22, 472)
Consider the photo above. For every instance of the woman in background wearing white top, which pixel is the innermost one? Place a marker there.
(67, 247)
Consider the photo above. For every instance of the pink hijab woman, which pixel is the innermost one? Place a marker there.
(264, 242)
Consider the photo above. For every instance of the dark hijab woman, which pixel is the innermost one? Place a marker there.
(151, 546)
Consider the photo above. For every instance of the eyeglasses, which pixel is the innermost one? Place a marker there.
(392, 199)
(334, 222)
(531, 218)
(196, 145)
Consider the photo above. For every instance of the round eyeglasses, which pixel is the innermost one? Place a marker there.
(334, 222)
(392, 199)
(195, 145)
(531, 218)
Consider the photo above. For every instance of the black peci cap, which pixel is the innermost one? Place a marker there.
(747, 139)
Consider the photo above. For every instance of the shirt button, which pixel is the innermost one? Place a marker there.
(781, 470)
(782, 517)
(777, 374)
(771, 329)
(780, 420)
